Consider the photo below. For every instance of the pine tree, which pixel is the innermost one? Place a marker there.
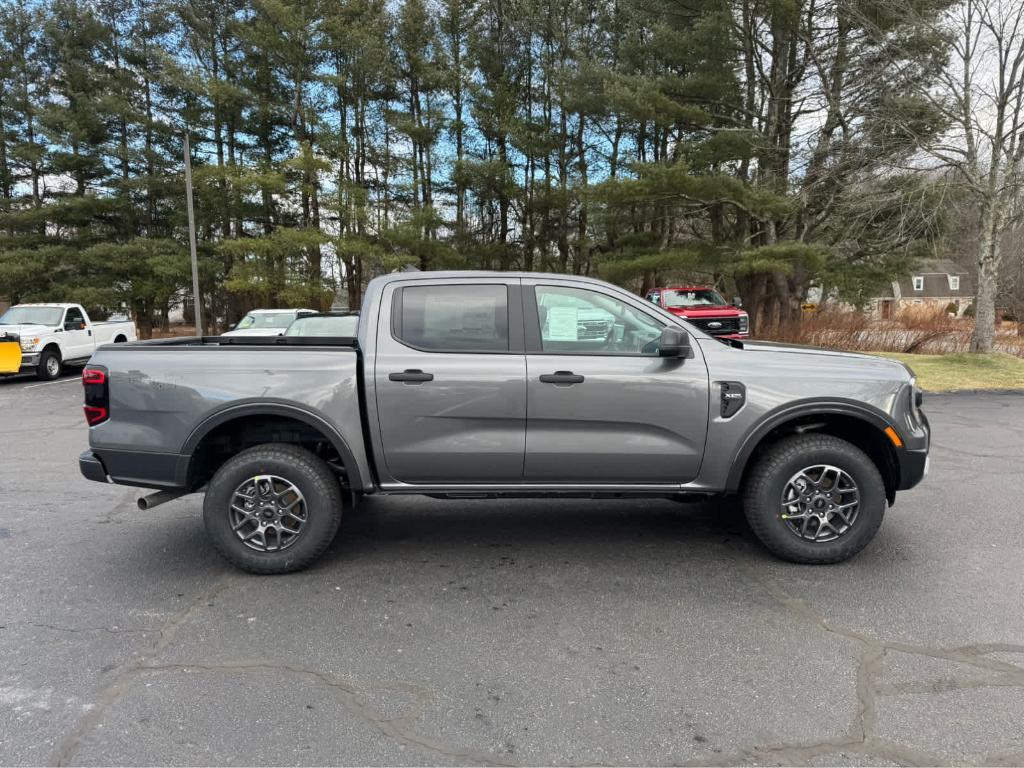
(755, 145)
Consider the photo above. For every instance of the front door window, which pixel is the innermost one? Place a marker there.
(74, 320)
(580, 321)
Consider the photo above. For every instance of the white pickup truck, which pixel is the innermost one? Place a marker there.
(52, 335)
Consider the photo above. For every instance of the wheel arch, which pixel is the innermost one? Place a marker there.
(237, 422)
(53, 346)
(858, 423)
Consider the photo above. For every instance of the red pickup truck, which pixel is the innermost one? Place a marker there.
(704, 307)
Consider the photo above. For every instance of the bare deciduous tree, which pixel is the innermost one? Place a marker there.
(981, 95)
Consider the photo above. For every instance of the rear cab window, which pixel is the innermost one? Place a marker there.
(452, 318)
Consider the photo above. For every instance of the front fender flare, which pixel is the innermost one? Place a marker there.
(870, 415)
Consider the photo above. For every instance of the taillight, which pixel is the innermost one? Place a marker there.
(95, 414)
(97, 394)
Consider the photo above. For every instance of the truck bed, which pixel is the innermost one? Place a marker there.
(167, 394)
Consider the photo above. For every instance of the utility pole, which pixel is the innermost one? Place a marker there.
(196, 303)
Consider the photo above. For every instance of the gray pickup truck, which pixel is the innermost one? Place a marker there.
(480, 385)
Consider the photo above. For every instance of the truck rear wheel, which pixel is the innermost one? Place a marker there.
(814, 498)
(49, 365)
(274, 508)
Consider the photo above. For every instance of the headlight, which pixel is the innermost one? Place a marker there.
(29, 344)
(744, 323)
(916, 395)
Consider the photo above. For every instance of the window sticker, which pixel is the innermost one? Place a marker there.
(562, 324)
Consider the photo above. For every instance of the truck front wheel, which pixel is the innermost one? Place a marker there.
(49, 365)
(814, 498)
(274, 508)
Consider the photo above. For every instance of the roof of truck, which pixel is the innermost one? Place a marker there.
(456, 274)
(54, 304)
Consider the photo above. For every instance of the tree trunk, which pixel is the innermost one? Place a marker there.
(582, 264)
(5, 175)
(144, 320)
(988, 267)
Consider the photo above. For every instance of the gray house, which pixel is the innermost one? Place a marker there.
(936, 284)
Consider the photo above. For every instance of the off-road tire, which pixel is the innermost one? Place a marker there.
(762, 497)
(43, 372)
(312, 476)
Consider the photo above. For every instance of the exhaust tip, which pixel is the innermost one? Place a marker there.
(156, 499)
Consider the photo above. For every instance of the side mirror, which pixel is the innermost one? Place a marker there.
(70, 325)
(737, 301)
(674, 342)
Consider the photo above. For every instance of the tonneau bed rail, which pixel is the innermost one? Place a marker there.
(243, 341)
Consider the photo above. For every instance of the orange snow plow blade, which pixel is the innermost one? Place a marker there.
(10, 355)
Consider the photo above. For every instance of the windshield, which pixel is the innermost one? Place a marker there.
(32, 316)
(326, 325)
(701, 297)
(266, 320)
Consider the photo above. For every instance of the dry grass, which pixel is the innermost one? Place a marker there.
(932, 343)
(964, 370)
(922, 331)
(174, 332)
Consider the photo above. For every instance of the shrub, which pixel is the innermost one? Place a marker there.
(914, 329)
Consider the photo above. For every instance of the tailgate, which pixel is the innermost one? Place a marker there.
(10, 353)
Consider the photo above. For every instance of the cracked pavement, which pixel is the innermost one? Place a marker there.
(510, 633)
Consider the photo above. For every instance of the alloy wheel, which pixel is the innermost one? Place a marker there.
(820, 503)
(268, 513)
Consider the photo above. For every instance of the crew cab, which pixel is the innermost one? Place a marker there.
(480, 385)
(704, 307)
(54, 335)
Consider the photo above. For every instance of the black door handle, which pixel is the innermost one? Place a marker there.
(561, 377)
(411, 376)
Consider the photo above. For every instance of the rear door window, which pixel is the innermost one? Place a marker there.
(453, 318)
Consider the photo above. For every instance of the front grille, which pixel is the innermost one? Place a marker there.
(592, 329)
(717, 326)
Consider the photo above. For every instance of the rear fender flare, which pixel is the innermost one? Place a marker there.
(264, 408)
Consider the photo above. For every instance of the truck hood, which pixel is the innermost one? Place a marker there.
(26, 329)
(256, 332)
(833, 355)
(720, 310)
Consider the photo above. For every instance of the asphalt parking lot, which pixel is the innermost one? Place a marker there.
(526, 632)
